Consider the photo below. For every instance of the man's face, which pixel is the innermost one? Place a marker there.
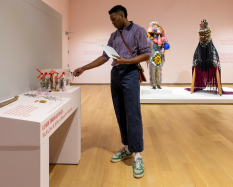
(117, 19)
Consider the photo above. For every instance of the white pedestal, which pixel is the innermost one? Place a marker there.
(32, 135)
(179, 95)
(148, 91)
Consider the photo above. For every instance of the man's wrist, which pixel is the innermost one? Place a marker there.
(131, 61)
(84, 68)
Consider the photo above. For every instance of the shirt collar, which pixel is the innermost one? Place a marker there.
(127, 28)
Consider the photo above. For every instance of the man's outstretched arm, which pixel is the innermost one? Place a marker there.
(98, 62)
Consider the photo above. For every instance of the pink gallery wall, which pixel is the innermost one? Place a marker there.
(89, 20)
(62, 6)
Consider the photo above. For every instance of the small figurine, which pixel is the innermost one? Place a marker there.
(63, 81)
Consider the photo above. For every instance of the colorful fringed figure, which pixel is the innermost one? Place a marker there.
(206, 69)
(158, 43)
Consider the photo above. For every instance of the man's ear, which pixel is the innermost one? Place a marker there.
(122, 14)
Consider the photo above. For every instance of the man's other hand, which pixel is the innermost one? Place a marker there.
(120, 60)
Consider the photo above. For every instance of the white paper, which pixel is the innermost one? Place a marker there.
(109, 51)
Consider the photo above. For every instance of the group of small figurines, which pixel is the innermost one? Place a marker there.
(206, 69)
(52, 82)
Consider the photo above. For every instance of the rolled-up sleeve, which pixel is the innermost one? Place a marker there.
(109, 44)
(142, 42)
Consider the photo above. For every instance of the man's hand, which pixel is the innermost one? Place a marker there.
(120, 60)
(78, 72)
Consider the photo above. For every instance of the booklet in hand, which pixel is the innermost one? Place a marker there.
(109, 51)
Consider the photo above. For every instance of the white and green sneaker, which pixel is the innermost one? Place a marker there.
(121, 155)
(138, 170)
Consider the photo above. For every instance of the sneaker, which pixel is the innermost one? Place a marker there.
(121, 155)
(138, 170)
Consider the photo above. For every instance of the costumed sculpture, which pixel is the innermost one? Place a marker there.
(206, 69)
(159, 44)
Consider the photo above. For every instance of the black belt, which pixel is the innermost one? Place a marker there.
(122, 66)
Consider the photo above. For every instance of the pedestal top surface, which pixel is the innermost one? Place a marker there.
(25, 108)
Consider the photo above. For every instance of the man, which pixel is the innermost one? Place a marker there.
(125, 84)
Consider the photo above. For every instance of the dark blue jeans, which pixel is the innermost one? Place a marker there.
(125, 88)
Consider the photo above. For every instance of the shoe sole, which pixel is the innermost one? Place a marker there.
(138, 176)
(114, 161)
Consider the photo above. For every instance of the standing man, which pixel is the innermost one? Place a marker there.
(125, 83)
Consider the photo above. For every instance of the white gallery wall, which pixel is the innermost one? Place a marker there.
(62, 6)
(90, 23)
(30, 38)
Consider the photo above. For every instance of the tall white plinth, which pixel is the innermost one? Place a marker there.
(34, 134)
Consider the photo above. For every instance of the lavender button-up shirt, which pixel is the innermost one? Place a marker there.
(136, 39)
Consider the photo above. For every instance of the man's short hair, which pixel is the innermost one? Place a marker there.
(118, 8)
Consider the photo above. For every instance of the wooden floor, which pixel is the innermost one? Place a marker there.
(184, 146)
